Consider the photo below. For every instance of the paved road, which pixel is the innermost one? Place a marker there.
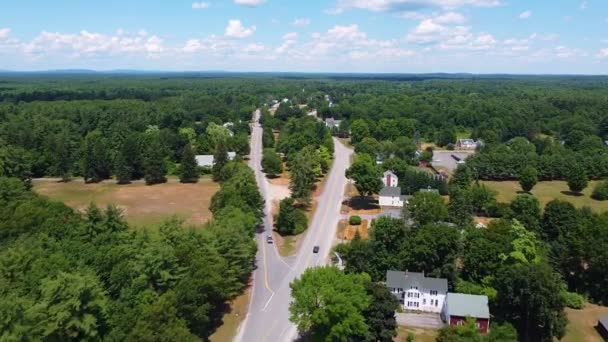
(268, 317)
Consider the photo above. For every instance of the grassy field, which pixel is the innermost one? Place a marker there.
(547, 191)
(142, 205)
(582, 324)
(420, 335)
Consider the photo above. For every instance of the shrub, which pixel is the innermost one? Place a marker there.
(573, 300)
(354, 220)
(600, 192)
(451, 147)
(290, 220)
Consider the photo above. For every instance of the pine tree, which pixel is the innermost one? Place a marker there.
(96, 159)
(154, 163)
(220, 158)
(62, 159)
(577, 178)
(122, 168)
(188, 168)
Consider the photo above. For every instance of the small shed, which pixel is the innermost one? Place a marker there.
(602, 327)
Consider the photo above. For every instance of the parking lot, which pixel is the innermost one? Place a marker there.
(444, 160)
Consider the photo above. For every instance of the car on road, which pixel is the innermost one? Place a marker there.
(315, 249)
(269, 239)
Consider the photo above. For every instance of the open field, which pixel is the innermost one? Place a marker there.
(420, 335)
(347, 232)
(582, 324)
(547, 191)
(142, 205)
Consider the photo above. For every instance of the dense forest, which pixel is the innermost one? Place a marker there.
(66, 275)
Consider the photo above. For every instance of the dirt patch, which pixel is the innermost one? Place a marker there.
(233, 318)
(582, 323)
(348, 231)
(142, 204)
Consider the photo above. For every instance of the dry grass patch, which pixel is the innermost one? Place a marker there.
(232, 319)
(582, 324)
(548, 191)
(420, 335)
(349, 231)
(142, 205)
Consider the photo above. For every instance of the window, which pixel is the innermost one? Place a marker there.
(423, 301)
(433, 292)
(436, 302)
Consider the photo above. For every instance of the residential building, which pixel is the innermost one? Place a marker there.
(429, 189)
(416, 292)
(390, 196)
(332, 123)
(206, 160)
(459, 306)
(602, 327)
(467, 144)
(390, 179)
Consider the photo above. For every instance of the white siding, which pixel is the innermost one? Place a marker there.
(422, 300)
(390, 201)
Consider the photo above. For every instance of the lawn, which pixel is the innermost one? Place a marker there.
(142, 205)
(582, 324)
(547, 191)
(420, 335)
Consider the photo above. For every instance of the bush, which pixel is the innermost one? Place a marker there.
(290, 220)
(354, 220)
(573, 300)
(600, 192)
(451, 147)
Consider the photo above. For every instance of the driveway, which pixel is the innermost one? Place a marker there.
(445, 159)
(419, 320)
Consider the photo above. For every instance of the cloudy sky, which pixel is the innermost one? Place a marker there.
(479, 36)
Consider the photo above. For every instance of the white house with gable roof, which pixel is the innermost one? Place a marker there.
(416, 292)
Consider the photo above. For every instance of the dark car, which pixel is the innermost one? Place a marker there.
(269, 239)
(315, 249)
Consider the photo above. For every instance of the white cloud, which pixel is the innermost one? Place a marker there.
(235, 29)
(290, 36)
(566, 52)
(583, 6)
(603, 53)
(254, 48)
(5, 32)
(407, 5)
(450, 18)
(200, 5)
(249, 3)
(87, 43)
(301, 22)
(525, 14)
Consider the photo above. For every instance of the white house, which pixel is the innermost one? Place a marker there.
(416, 292)
(332, 123)
(206, 160)
(390, 196)
(467, 144)
(390, 179)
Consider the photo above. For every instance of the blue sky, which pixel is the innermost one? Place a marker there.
(479, 36)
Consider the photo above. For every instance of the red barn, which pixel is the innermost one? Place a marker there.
(459, 306)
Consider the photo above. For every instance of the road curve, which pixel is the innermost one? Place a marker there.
(268, 316)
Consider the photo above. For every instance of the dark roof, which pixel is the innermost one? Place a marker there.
(463, 305)
(398, 279)
(603, 321)
(391, 191)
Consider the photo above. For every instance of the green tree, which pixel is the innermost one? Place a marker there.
(600, 192)
(359, 129)
(271, 162)
(428, 207)
(72, 307)
(577, 178)
(154, 162)
(63, 155)
(188, 171)
(343, 298)
(528, 178)
(290, 220)
(526, 209)
(529, 297)
(123, 167)
(220, 159)
(380, 314)
(366, 174)
(95, 158)
(303, 171)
